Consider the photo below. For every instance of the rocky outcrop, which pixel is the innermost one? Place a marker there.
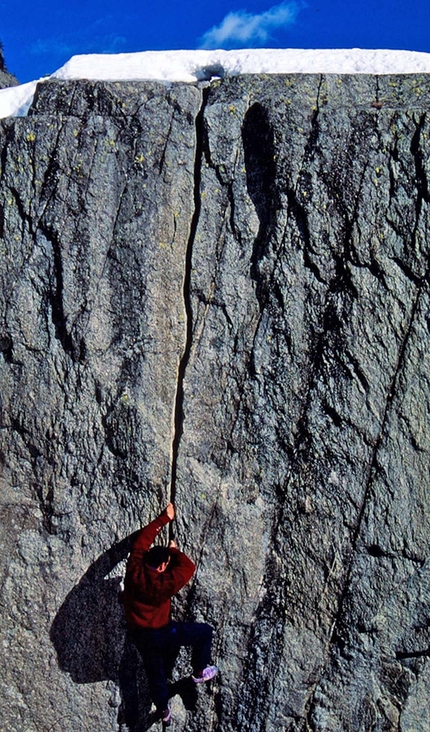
(6, 79)
(219, 295)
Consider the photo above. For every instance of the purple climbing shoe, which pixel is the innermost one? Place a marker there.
(166, 716)
(206, 675)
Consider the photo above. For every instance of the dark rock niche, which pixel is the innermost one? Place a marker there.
(220, 295)
(260, 156)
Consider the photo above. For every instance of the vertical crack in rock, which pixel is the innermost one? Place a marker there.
(178, 415)
(56, 296)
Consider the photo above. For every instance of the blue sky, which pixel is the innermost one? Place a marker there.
(40, 36)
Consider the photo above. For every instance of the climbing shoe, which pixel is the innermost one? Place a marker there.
(166, 716)
(206, 675)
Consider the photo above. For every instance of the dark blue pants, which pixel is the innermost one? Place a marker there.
(156, 645)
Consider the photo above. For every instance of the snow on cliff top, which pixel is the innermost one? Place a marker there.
(192, 66)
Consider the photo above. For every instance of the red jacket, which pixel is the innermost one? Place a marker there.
(147, 592)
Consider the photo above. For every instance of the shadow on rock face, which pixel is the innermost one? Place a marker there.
(89, 634)
(89, 629)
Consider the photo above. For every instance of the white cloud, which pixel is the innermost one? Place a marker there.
(241, 28)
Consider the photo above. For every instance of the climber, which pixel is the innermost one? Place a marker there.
(153, 576)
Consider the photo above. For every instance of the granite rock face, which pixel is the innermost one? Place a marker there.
(219, 295)
(6, 79)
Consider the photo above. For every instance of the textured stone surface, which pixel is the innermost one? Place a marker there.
(6, 79)
(305, 437)
(219, 295)
(97, 201)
